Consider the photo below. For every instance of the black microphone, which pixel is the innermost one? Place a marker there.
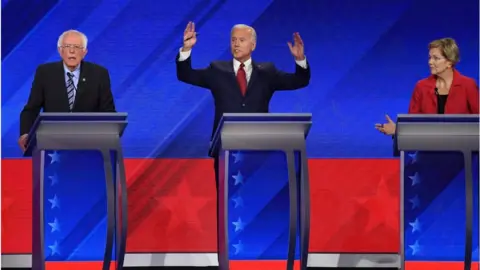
(436, 91)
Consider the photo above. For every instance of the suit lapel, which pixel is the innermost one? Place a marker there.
(81, 83)
(253, 77)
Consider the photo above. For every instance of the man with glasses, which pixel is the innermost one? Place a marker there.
(70, 85)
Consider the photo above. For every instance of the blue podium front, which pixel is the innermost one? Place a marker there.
(264, 201)
(439, 184)
(79, 201)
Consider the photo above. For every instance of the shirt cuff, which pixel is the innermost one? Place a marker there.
(302, 63)
(184, 55)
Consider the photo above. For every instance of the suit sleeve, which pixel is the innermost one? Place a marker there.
(472, 97)
(106, 102)
(415, 101)
(186, 74)
(34, 104)
(291, 81)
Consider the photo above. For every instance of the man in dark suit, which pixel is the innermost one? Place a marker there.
(241, 85)
(70, 85)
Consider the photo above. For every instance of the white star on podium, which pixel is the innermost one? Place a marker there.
(54, 179)
(238, 202)
(415, 202)
(415, 248)
(239, 225)
(415, 225)
(54, 248)
(415, 179)
(238, 178)
(238, 157)
(238, 247)
(55, 157)
(55, 225)
(55, 202)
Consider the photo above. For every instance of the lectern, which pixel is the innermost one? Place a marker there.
(439, 190)
(264, 203)
(79, 199)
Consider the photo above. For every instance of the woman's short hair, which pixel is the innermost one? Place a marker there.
(448, 47)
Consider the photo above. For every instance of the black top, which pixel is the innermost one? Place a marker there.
(441, 101)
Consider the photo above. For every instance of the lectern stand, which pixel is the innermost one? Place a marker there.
(439, 191)
(79, 190)
(264, 204)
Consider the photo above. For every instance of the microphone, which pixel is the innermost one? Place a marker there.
(436, 91)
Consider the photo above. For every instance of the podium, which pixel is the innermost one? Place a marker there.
(439, 191)
(79, 213)
(264, 203)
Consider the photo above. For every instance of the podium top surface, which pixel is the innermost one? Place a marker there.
(54, 122)
(251, 121)
(437, 132)
(438, 118)
(266, 117)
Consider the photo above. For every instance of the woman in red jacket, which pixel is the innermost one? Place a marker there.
(445, 91)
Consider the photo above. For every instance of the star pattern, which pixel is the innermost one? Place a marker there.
(184, 208)
(235, 213)
(238, 201)
(414, 225)
(415, 179)
(239, 225)
(238, 178)
(379, 207)
(55, 203)
(55, 157)
(54, 179)
(54, 225)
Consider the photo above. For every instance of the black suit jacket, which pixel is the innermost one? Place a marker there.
(49, 92)
(219, 77)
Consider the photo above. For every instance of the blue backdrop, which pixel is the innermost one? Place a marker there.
(365, 57)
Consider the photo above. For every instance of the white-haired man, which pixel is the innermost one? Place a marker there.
(69, 85)
(241, 85)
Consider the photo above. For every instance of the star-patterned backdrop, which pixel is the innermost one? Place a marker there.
(434, 219)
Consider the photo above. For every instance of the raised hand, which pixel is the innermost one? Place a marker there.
(189, 37)
(297, 48)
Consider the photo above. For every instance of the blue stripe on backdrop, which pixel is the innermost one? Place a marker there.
(23, 15)
(365, 57)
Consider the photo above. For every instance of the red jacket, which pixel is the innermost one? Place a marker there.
(462, 98)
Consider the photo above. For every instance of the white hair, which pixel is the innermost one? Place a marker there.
(82, 35)
(244, 26)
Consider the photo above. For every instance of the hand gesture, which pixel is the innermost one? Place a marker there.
(189, 37)
(387, 128)
(297, 48)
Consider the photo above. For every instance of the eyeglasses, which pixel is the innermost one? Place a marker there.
(70, 46)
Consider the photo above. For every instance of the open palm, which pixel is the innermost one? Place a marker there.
(297, 48)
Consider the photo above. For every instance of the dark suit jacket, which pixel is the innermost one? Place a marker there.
(462, 98)
(219, 77)
(49, 92)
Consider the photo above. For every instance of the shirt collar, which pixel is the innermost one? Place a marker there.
(247, 64)
(76, 71)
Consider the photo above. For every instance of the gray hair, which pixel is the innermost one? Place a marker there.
(244, 26)
(82, 35)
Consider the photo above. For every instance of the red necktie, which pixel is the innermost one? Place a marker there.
(242, 79)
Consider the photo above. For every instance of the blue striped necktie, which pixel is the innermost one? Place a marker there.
(70, 90)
